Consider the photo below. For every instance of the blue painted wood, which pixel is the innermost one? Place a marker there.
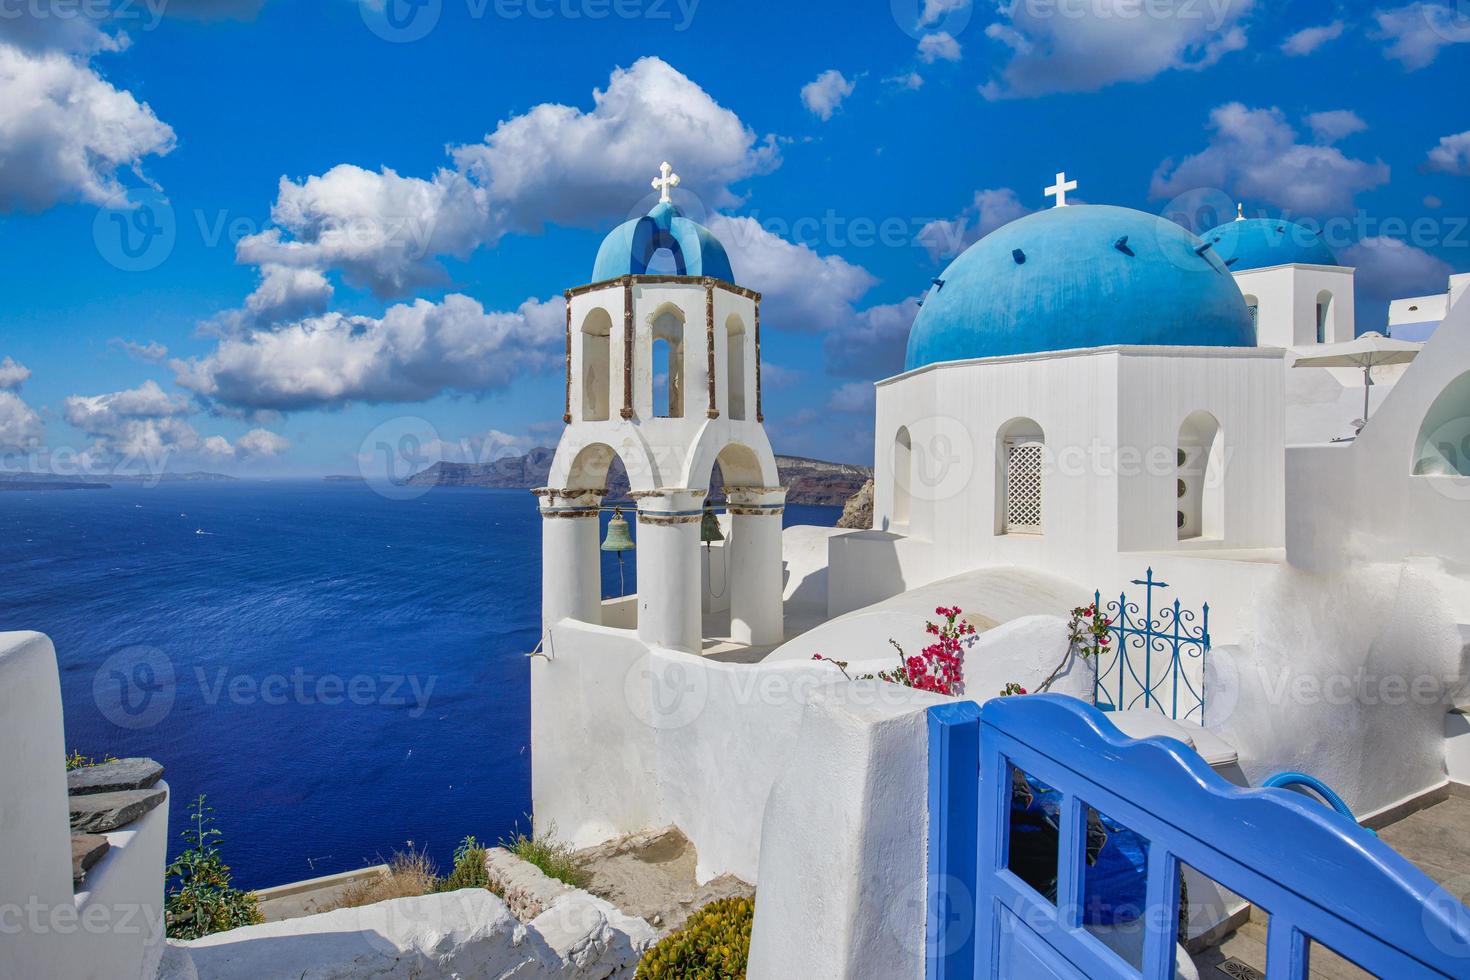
(954, 795)
(1319, 876)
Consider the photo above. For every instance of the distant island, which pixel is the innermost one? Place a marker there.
(55, 481)
(809, 481)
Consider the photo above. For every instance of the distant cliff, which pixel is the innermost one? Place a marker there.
(811, 481)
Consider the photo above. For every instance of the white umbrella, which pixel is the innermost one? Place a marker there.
(1369, 351)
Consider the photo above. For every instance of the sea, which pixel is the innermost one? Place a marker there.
(340, 674)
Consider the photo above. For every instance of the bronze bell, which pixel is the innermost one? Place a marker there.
(709, 527)
(617, 538)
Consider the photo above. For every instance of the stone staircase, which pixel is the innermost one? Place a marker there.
(104, 798)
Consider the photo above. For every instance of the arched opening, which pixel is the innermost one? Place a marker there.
(596, 366)
(1324, 316)
(1253, 307)
(735, 367)
(668, 363)
(903, 477)
(1200, 480)
(664, 263)
(1020, 460)
(1443, 446)
(599, 467)
(736, 466)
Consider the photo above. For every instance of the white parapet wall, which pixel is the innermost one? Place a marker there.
(114, 929)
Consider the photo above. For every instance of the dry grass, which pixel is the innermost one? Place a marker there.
(554, 857)
(409, 875)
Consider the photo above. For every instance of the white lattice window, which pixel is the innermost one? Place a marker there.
(1023, 487)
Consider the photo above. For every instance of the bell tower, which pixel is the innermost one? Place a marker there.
(663, 373)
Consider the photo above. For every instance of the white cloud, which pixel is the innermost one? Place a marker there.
(260, 444)
(1416, 33)
(1306, 41)
(484, 447)
(776, 376)
(854, 396)
(912, 81)
(152, 352)
(939, 46)
(555, 163)
(1452, 155)
(413, 352)
(287, 293)
(1254, 154)
(823, 96)
(65, 133)
(13, 374)
(20, 427)
(1085, 47)
(936, 10)
(139, 423)
(874, 344)
(990, 209)
(1337, 124)
(803, 291)
(1388, 268)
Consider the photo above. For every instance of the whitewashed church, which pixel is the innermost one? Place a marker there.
(1098, 409)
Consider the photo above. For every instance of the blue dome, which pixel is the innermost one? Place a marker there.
(632, 245)
(1259, 243)
(1076, 277)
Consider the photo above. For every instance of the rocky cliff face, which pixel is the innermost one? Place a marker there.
(857, 513)
(810, 481)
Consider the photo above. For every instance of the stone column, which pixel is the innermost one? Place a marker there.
(757, 616)
(571, 580)
(669, 568)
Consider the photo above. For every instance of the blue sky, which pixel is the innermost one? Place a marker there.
(375, 208)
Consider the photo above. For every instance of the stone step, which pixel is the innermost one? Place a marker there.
(98, 813)
(86, 850)
(114, 777)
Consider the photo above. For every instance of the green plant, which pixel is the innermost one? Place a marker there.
(469, 868)
(78, 761)
(200, 898)
(713, 945)
(554, 857)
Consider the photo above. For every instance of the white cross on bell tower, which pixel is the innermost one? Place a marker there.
(665, 182)
(1060, 189)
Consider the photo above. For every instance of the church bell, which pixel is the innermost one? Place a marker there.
(709, 527)
(617, 534)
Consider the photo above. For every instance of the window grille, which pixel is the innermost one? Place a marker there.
(1023, 488)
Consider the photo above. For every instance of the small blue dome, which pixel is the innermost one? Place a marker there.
(1076, 277)
(1259, 243)
(632, 245)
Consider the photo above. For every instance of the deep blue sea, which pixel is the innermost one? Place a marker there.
(339, 673)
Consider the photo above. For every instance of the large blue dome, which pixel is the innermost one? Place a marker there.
(1076, 277)
(1259, 243)
(629, 248)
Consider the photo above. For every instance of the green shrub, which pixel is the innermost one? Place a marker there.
(469, 868)
(78, 761)
(713, 945)
(200, 899)
(556, 858)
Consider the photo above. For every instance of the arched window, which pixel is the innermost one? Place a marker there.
(1200, 481)
(1020, 457)
(903, 477)
(1253, 307)
(596, 366)
(735, 367)
(668, 363)
(1324, 316)
(1443, 446)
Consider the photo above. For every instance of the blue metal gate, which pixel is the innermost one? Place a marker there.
(1157, 657)
(1320, 876)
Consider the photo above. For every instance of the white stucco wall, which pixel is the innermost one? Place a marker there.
(1286, 297)
(111, 931)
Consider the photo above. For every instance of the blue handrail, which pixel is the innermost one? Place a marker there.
(1282, 779)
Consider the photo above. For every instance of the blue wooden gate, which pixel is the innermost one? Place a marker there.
(1318, 875)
